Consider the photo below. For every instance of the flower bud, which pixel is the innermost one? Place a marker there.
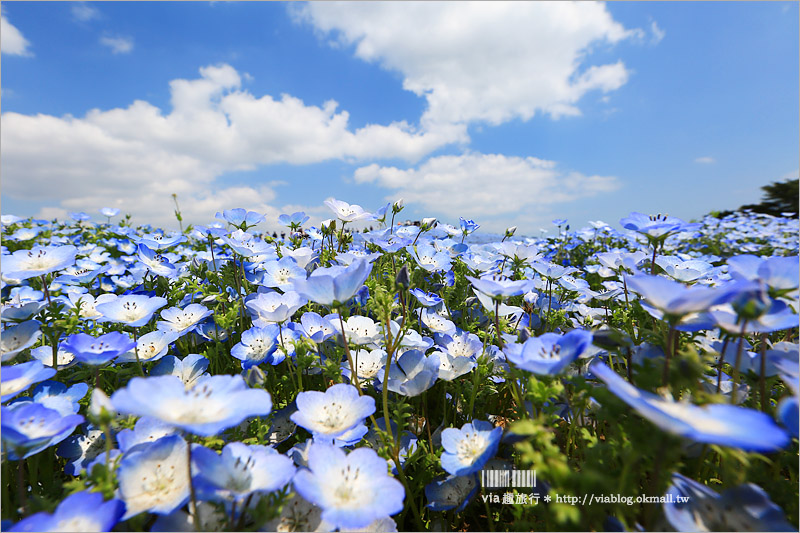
(511, 231)
(397, 206)
(255, 377)
(100, 408)
(402, 279)
(427, 223)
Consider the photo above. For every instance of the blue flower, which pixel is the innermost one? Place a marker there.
(333, 413)
(154, 477)
(214, 404)
(241, 218)
(150, 347)
(655, 227)
(466, 450)
(98, 350)
(109, 211)
(19, 337)
(672, 298)
(427, 299)
(17, 378)
(155, 262)
(239, 471)
(430, 258)
(257, 345)
(722, 424)
(452, 492)
(184, 320)
(467, 226)
(29, 427)
(274, 307)
(347, 212)
(334, 286)
(352, 490)
(55, 395)
(281, 273)
(691, 506)
(146, 430)
(502, 287)
(82, 511)
(549, 353)
(316, 328)
(134, 310)
(189, 370)
(412, 373)
(159, 241)
(24, 264)
(296, 219)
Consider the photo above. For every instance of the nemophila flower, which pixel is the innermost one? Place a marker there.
(24, 234)
(184, 320)
(303, 256)
(427, 299)
(160, 241)
(452, 366)
(671, 298)
(360, 330)
(81, 449)
(146, 430)
(213, 405)
(190, 370)
(17, 378)
(779, 273)
(466, 450)
(17, 338)
(317, 328)
(98, 350)
(352, 489)
(240, 217)
(368, 365)
(87, 304)
(82, 511)
(721, 424)
(412, 373)
(280, 273)
(467, 226)
(296, 219)
(298, 514)
(451, 493)
(685, 271)
(29, 427)
(331, 414)
(150, 347)
(281, 426)
(347, 212)
(274, 307)
(430, 258)
(789, 414)
(499, 288)
(549, 353)
(44, 354)
(55, 395)
(777, 316)
(258, 345)
(109, 211)
(79, 216)
(333, 286)
(552, 271)
(655, 226)
(436, 322)
(154, 477)
(39, 260)
(155, 262)
(691, 506)
(239, 471)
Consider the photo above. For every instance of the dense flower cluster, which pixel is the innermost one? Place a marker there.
(221, 379)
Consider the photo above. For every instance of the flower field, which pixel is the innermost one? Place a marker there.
(640, 375)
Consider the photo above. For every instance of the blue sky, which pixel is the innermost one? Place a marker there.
(510, 114)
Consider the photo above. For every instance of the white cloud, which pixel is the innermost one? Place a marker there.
(481, 61)
(83, 12)
(118, 45)
(705, 160)
(492, 187)
(657, 34)
(134, 158)
(12, 41)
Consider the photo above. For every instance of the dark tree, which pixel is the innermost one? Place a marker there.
(779, 197)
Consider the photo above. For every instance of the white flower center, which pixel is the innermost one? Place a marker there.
(470, 447)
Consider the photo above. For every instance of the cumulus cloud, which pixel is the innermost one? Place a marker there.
(12, 42)
(83, 12)
(134, 158)
(493, 187)
(705, 160)
(118, 45)
(481, 61)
